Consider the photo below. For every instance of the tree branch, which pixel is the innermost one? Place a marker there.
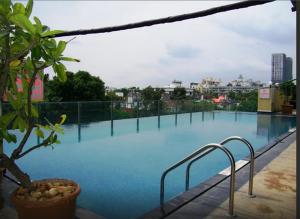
(24, 53)
(211, 11)
(5, 72)
(8, 163)
(44, 143)
(19, 149)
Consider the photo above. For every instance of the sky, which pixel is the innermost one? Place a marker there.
(220, 46)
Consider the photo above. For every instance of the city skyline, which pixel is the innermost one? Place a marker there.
(221, 46)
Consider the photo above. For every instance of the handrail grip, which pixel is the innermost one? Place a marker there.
(247, 143)
(204, 148)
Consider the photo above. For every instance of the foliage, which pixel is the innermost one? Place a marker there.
(247, 101)
(26, 50)
(112, 96)
(125, 92)
(150, 93)
(80, 86)
(179, 93)
(151, 98)
(288, 89)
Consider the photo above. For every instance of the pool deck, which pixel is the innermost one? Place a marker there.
(274, 187)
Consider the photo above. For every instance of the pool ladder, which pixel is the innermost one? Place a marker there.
(203, 151)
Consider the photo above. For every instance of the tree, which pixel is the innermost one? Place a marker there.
(179, 93)
(248, 101)
(288, 89)
(111, 95)
(81, 86)
(150, 98)
(26, 50)
(125, 92)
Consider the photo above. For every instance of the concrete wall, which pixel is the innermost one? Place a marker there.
(269, 100)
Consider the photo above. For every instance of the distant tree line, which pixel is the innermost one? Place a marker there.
(80, 86)
(246, 102)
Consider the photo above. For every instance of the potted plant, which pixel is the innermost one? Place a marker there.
(27, 49)
(287, 90)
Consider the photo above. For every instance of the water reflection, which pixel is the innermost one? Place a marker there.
(273, 125)
(267, 125)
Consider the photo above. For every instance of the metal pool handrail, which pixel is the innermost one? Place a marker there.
(232, 138)
(207, 148)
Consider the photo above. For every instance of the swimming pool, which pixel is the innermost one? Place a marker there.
(119, 171)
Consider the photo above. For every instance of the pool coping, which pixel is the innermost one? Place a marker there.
(187, 197)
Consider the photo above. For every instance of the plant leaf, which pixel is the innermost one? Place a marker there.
(63, 119)
(34, 112)
(23, 22)
(5, 7)
(60, 48)
(28, 9)
(39, 133)
(60, 71)
(18, 8)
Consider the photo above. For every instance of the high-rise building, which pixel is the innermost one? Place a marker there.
(282, 68)
(289, 69)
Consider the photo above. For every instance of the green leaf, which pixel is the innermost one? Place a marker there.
(3, 34)
(49, 43)
(63, 119)
(18, 8)
(20, 124)
(39, 133)
(15, 103)
(51, 33)
(5, 6)
(60, 48)
(36, 53)
(7, 136)
(60, 71)
(34, 112)
(7, 118)
(29, 8)
(39, 26)
(23, 22)
(69, 59)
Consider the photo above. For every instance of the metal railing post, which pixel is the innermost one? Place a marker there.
(158, 114)
(207, 148)
(251, 149)
(137, 117)
(111, 119)
(79, 121)
(191, 112)
(202, 115)
(235, 118)
(251, 172)
(175, 112)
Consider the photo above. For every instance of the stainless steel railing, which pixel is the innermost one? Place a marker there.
(203, 151)
(232, 138)
(199, 151)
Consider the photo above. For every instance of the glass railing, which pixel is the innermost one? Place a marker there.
(95, 111)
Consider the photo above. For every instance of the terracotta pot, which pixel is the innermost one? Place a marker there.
(287, 109)
(61, 208)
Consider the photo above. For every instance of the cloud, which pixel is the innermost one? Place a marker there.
(265, 23)
(222, 46)
(182, 51)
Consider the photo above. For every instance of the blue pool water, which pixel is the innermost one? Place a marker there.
(120, 174)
